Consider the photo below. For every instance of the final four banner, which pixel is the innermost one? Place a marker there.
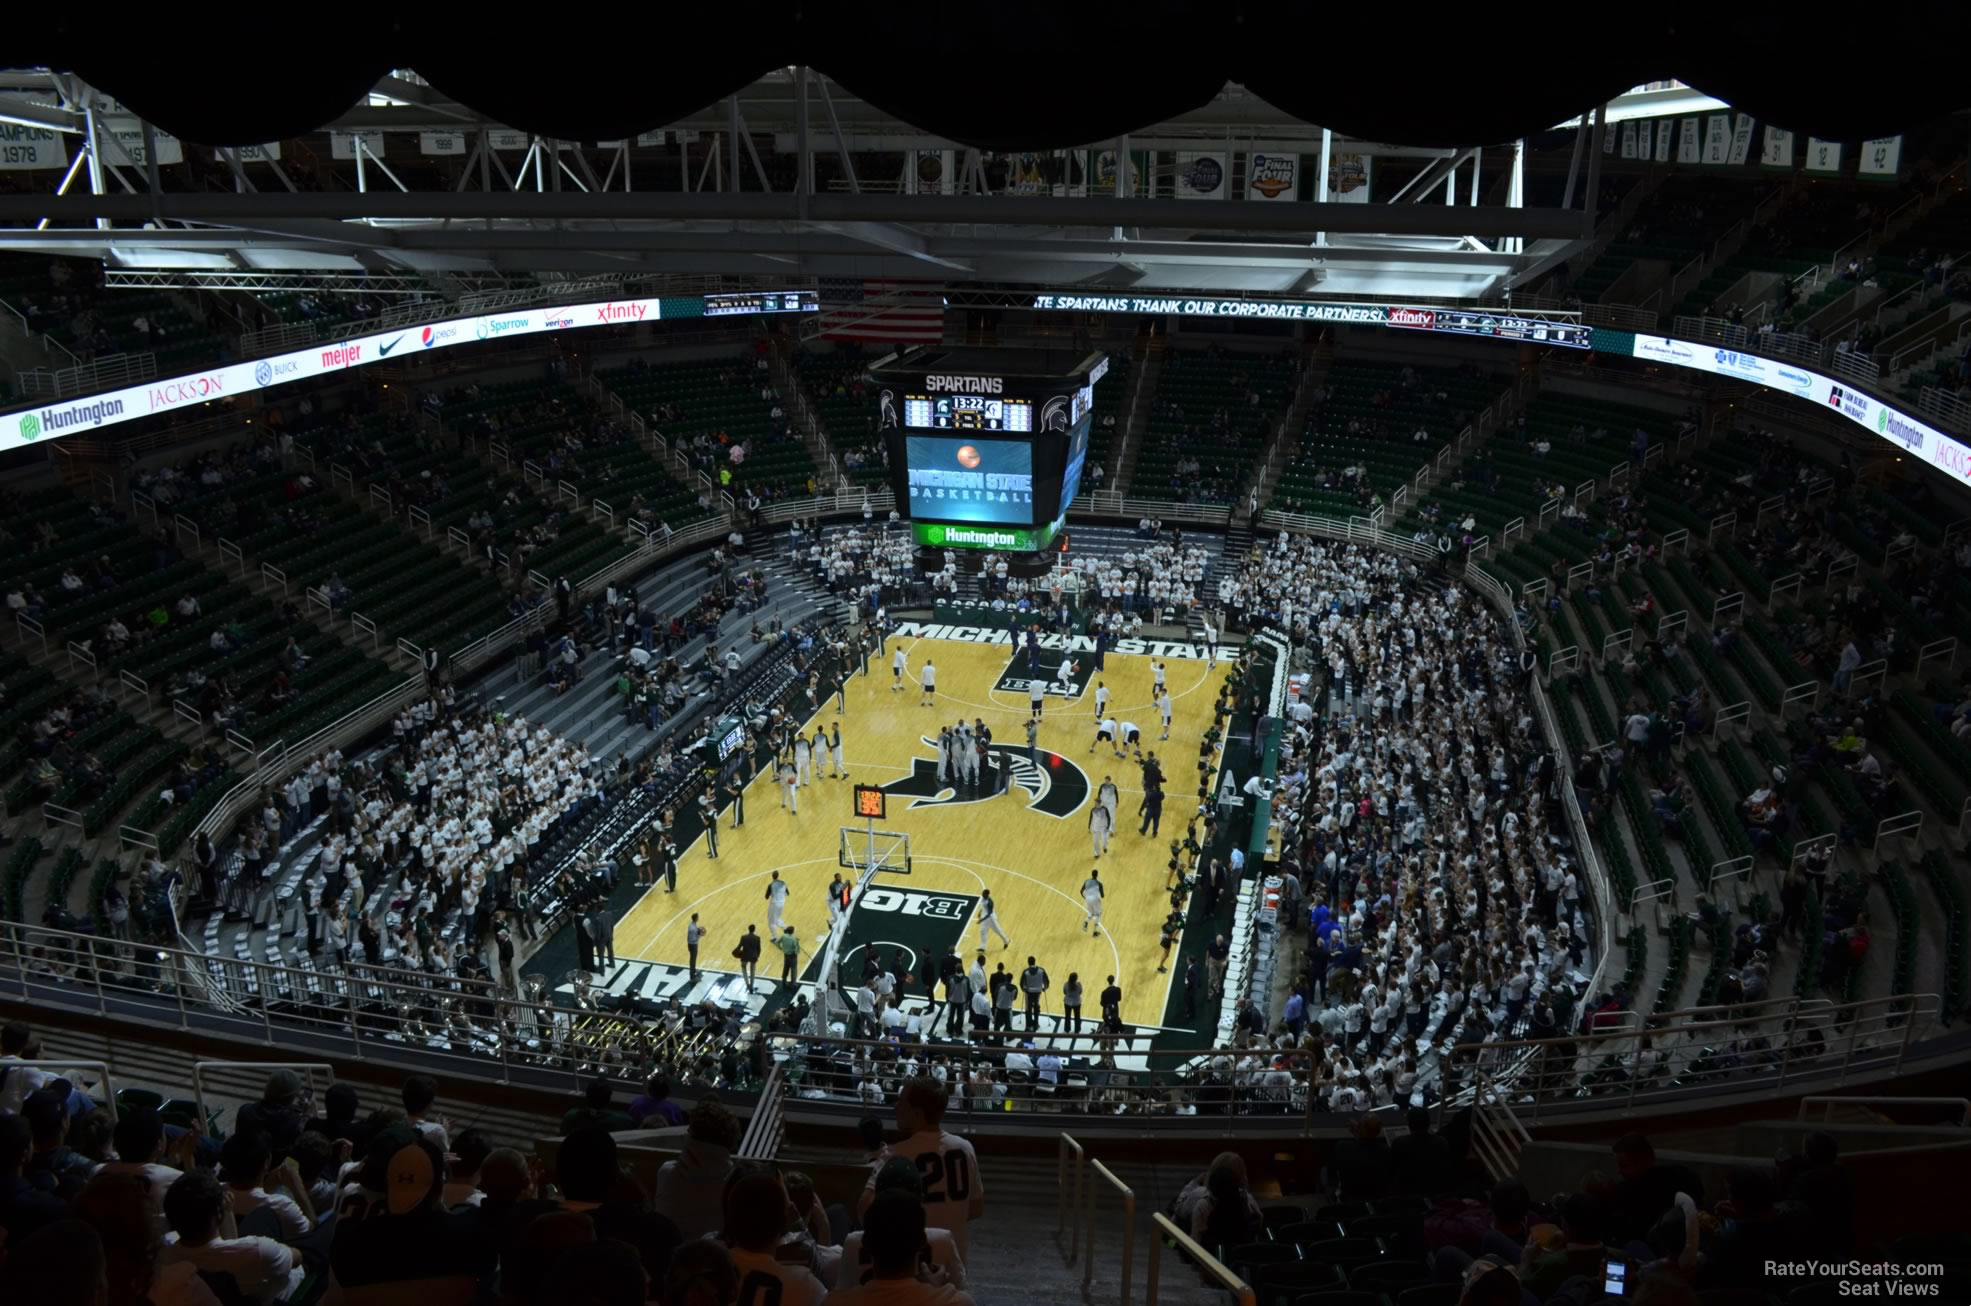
(1202, 175)
(1272, 176)
(1690, 142)
(1629, 140)
(1665, 128)
(1348, 178)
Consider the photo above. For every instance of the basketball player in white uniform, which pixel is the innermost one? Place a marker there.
(897, 664)
(1091, 898)
(1102, 697)
(930, 683)
(835, 747)
(1163, 710)
(989, 921)
(1105, 732)
(1109, 796)
(1129, 738)
(1064, 675)
(803, 770)
(1101, 821)
(1156, 676)
(776, 901)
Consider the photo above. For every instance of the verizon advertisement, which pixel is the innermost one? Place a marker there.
(1926, 442)
(57, 418)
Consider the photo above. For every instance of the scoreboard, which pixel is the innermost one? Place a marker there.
(987, 446)
(967, 413)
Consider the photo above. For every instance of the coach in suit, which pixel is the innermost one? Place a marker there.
(603, 931)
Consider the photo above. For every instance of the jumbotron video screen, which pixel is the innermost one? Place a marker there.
(989, 456)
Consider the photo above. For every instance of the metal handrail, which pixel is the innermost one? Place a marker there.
(1066, 1212)
(1209, 1264)
(59, 1067)
(767, 1126)
(1128, 1231)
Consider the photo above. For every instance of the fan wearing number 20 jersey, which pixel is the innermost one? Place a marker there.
(949, 1168)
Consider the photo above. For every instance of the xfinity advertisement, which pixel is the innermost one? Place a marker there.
(56, 418)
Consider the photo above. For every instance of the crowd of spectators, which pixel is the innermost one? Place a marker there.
(1421, 845)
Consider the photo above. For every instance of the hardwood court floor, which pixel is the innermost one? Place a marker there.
(1031, 858)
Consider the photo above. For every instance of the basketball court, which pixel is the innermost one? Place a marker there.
(942, 844)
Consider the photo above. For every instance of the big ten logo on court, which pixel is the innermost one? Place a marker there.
(1053, 785)
(916, 902)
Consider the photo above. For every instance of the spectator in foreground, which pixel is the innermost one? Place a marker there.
(701, 1273)
(1226, 1214)
(594, 1186)
(654, 1108)
(24, 1208)
(939, 1255)
(139, 1150)
(1647, 1190)
(119, 1208)
(595, 1110)
(281, 1113)
(894, 1237)
(469, 1152)
(53, 1166)
(195, 1207)
(420, 1091)
(407, 1236)
(755, 1213)
(689, 1188)
(245, 1166)
(1422, 1160)
(954, 1191)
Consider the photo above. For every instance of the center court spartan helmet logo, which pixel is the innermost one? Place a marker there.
(1055, 787)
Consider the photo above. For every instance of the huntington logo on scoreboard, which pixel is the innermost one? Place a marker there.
(1010, 539)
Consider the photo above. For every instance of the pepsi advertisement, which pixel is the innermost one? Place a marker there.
(971, 480)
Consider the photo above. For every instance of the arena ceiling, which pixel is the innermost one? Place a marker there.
(1453, 93)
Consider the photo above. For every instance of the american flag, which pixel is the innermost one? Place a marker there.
(888, 312)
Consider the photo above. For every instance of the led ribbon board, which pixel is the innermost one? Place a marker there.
(57, 418)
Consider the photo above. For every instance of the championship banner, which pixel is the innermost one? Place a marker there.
(1026, 174)
(1348, 178)
(1880, 159)
(1690, 148)
(29, 149)
(128, 144)
(1104, 180)
(1779, 149)
(268, 153)
(342, 145)
(1823, 157)
(1272, 176)
(929, 172)
(440, 143)
(1741, 141)
(1629, 140)
(1717, 139)
(1202, 175)
(1664, 129)
(508, 140)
